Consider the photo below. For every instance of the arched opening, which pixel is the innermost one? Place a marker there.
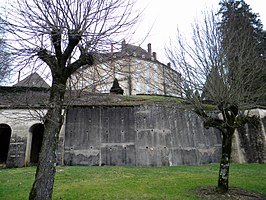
(36, 143)
(5, 134)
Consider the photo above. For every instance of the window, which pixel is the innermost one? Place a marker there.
(156, 90)
(138, 87)
(148, 89)
(138, 73)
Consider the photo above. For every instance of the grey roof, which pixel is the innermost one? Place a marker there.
(33, 80)
(134, 50)
(20, 96)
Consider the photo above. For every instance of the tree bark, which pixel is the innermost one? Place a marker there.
(223, 179)
(44, 178)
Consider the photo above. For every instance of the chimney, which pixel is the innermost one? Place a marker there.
(18, 75)
(149, 50)
(123, 44)
(169, 64)
(154, 56)
(112, 48)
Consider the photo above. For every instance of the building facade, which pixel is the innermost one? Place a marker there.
(138, 72)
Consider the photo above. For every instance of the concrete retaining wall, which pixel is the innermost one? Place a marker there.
(147, 135)
(139, 136)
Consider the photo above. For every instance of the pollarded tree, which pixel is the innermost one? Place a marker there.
(210, 81)
(62, 35)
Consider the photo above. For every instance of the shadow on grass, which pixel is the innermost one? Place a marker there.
(210, 193)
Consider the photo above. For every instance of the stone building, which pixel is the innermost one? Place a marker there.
(137, 70)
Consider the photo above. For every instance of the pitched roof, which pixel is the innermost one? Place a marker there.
(33, 80)
(134, 50)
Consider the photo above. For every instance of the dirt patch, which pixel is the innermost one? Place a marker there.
(210, 193)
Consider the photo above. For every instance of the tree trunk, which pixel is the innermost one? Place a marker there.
(44, 178)
(225, 160)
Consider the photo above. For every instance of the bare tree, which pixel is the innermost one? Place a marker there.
(58, 37)
(216, 91)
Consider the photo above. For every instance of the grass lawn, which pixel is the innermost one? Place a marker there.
(180, 182)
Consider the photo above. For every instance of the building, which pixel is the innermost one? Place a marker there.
(33, 80)
(138, 72)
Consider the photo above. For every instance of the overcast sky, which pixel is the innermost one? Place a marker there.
(163, 16)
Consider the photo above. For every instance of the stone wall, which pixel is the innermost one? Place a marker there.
(249, 144)
(20, 122)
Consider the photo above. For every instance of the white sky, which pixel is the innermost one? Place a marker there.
(166, 15)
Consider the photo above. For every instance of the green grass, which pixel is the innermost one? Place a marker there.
(145, 99)
(77, 183)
